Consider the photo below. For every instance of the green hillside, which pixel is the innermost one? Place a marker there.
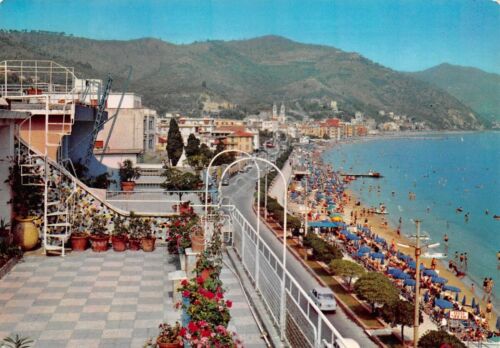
(475, 88)
(251, 73)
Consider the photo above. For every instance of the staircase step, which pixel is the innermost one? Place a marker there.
(58, 236)
(56, 213)
(59, 224)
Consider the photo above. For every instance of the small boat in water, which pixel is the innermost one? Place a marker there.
(496, 217)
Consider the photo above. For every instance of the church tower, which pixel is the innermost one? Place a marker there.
(275, 112)
(282, 117)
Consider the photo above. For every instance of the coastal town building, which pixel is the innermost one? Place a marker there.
(130, 132)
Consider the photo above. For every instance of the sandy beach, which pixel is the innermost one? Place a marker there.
(389, 233)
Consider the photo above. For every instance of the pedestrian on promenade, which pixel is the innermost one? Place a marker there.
(489, 309)
(485, 286)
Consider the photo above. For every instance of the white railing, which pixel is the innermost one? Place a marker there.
(306, 325)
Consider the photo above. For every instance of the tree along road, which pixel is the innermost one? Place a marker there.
(240, 193)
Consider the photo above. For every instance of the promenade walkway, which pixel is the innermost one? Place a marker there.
(101, 300)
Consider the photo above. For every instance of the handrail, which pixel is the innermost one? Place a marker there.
(81, 185)
(338, 337)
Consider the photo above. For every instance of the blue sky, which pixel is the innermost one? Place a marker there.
(405, 35)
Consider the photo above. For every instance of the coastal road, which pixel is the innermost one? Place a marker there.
(240, 192)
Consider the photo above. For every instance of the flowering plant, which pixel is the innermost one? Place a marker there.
(201, 334)
(170, 333)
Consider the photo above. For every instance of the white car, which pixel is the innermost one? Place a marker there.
(324, 299)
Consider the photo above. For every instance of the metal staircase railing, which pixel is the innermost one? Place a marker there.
(36, 171)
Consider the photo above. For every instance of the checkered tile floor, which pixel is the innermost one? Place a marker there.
(110, 299)
(88, 299)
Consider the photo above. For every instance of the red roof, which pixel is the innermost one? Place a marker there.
(332, 122)
(241, 134)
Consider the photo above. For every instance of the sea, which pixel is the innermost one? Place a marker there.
(450, 175)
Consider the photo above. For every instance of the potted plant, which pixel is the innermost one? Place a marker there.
(148, 239)
(197, 238)
(135, 226)
(185, 209)
(128, 173)
(27, 204)
(170, 336)
(79, 238)
(119, 237)
(99, 238)
(207, 266)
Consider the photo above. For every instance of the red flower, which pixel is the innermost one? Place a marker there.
(208, 294)
(186, 293)
(192, 326)
(183, 331)
(205, 333)
(229, 303)
(184, 282)
(199, 280)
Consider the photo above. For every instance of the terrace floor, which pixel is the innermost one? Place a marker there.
(99, 299)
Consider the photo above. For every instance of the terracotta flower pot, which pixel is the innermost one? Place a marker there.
(134, 244)
(148, 244)
(79, 241)
(206, 273)
(26, 233)
(99, 242)
(128, 186)
(119, 243)
(197, 242)
(167, 345)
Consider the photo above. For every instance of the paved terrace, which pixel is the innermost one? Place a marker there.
(101, 299)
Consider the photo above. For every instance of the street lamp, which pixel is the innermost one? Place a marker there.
(285, 215)
(418, 254)
(207, 173)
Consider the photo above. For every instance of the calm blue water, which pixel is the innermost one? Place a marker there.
(445, 172)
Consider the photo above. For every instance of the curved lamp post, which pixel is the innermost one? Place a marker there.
(206, 179)
(284, 252)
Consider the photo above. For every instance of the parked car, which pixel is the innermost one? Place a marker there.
(324, 299)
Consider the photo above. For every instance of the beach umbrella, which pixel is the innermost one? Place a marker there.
(380, 240)
(451, 288)
(464, 300)
(473, 303)
(377, 255)
(352, 236)
(360, 254)
(426, 296)
(498, 323)
(412, 264)
(443, 304)
(478, 310)
(456, 297)
(430, 272)
(364, 249)
(410, 282)
(402, 275)
(439, 280)
(393, 271)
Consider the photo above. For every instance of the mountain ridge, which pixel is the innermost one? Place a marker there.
(251, 73)
(476, 88)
